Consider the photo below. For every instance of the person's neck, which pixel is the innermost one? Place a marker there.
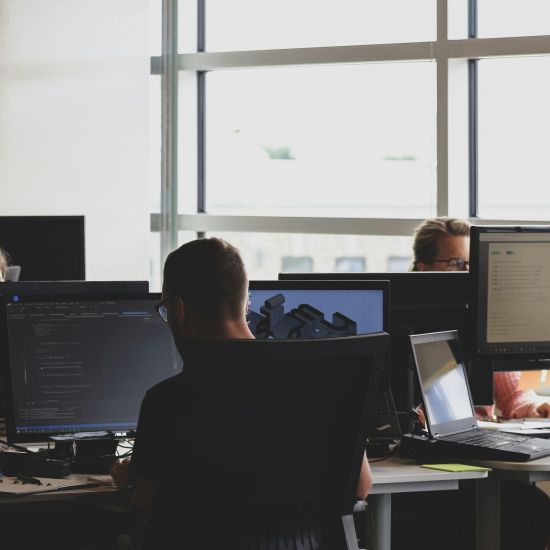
(227, 329)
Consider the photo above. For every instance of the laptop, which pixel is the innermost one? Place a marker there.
(450, 415)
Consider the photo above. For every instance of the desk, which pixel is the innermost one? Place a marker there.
(488, 494)
(399, 475)
(64, 495)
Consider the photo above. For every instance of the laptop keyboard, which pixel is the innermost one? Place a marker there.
(488, 439)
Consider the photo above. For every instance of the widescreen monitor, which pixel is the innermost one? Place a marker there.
(422, 302)
(8, 290)
(47, 248)
(321, 309)
(510, 266)
(81, 363)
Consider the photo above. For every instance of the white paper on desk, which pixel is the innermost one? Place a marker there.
(8, 487)
(524, 428)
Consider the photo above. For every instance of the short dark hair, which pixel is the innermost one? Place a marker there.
(210, 276)
(429, 232)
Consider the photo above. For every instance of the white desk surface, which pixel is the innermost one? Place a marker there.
(399, 471)
(538, 465)
(65, 494)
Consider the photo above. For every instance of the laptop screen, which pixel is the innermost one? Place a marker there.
(443, 379)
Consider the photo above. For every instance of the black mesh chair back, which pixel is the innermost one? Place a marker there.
(269, 444)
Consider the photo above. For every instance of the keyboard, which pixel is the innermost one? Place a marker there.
(490, 440)
(491, 445)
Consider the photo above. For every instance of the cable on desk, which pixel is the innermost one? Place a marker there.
(391, 452)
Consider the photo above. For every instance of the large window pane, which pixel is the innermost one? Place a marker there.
(351, 140)
(268, 254)
(514, 117)
(155, 27)
(457, 19)
(256, 24)
(513, 17)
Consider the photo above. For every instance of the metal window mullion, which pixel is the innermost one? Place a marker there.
(201, 113)
(473, 127)
(442, 121)
(202, 223)
(205, 61)
(169, 135)
(510, 46)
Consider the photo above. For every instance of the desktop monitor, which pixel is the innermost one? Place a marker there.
(510, 266)
(8, 290)
(317, 309)
(421, 302)
(81, 363)
(47, 248)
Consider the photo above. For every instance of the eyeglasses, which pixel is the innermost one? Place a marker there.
(162, 311)
(458, 264)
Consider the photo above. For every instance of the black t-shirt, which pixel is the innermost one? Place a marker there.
(158, 419)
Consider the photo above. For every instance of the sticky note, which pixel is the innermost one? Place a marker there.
(456, 467)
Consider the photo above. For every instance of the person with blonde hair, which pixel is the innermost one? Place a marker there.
(441, 244)
(3, 265)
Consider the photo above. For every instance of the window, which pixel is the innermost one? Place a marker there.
(327, 144)
(350, 140)
(254, 25)
(514, 117)
(268, 254)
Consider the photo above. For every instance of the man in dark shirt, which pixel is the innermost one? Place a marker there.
(205, 297)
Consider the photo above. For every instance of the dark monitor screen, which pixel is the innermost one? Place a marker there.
(422, 302)
(82, 363)
(511, 271)
(298, 309)
(48, 248)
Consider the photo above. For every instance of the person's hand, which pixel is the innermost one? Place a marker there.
(119, 473)
(421, 417)
(543, 410)
(536, 410)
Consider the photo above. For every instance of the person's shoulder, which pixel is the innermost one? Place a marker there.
(166, 388)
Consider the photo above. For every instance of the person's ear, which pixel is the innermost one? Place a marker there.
(421, 266)
(180, 309)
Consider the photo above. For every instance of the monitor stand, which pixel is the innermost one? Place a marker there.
(90, 455)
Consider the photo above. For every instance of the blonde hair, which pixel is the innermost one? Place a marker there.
(3, 265)
(428, 234)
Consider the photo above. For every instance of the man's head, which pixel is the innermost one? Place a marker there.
(205, 290)
(442, 244)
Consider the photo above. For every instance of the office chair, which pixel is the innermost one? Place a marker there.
(269, 444)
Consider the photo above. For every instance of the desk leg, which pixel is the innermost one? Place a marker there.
(488, 513)
(381, 518)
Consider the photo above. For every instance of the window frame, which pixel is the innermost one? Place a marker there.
(169, 65)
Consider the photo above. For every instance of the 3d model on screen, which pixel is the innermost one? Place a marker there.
(302, 322)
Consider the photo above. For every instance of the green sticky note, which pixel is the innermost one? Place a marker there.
(456, 467)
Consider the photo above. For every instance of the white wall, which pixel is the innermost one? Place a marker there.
(74, 78)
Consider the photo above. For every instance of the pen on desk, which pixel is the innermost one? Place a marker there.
(28, 479)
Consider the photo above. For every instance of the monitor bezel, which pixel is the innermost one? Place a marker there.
(5, 358)
(382, 285)
(479, 317)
